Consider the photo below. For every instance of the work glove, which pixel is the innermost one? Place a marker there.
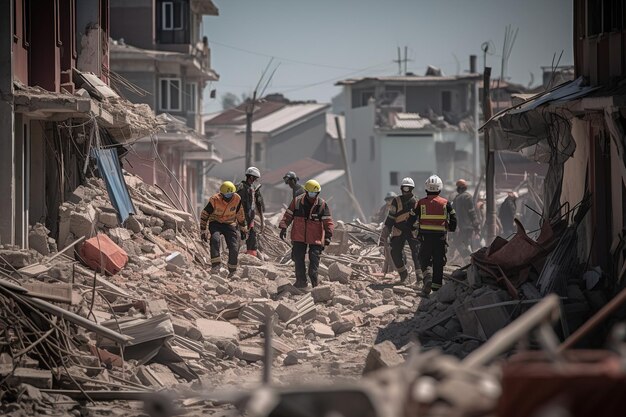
(204, 235)
(283, 234)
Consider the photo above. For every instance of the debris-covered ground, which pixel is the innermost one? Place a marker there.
(62, 324)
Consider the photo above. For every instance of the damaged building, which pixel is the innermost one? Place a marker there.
(161, 60)
(57, 109)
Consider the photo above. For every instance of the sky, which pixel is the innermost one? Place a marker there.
(314, 43)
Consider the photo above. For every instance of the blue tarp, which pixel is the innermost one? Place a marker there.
(111, 172)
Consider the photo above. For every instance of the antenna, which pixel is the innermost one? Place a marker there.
(401, 61)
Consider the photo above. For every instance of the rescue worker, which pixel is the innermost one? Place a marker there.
(506, 214)
(312, 229)
(223, 214)
(468, 224)
(397, 226)
(252, 202)
(435, 217)
(291, 179)
(382, 213)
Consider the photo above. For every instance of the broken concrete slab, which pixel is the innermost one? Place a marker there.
(38, 378)
(83, 221)
(342, 326)
(250, 353)
(217, 331)
(320, 330)
(176, 258)
(108, 219)
(286, 311)
(382, 310)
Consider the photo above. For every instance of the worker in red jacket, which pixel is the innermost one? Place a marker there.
(436, 217)
(312, 229)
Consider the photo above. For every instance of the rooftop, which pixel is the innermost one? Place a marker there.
(412, 79)
(306, 169)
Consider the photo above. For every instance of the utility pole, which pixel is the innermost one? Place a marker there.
(490, 180)
(474, 70)
(249, 114)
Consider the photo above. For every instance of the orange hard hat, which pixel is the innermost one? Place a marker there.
(461, 183)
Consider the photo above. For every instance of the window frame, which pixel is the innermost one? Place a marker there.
(191, 98)
(172, 23)
(169, 81)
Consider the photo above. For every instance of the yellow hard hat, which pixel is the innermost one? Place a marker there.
(312, 186)
(227, 187)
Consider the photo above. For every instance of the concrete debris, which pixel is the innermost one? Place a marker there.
(382, 355)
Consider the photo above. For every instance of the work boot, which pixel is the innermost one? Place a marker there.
(231, 272)
(428, 283)
(215, 269)
(300, 284)
(313, 281)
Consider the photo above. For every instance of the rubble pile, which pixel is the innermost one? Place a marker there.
(85, 329)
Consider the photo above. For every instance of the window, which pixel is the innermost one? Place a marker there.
(171, 15)
(170, 94)
(191, 97)
(372, 148)
(446, 101)
(258, 152)
(353, 151)
(393, 178)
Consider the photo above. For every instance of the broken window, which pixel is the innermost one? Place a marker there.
(191, 97)
(170, 94)
(393, 178)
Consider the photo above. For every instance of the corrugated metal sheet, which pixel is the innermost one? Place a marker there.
(286, 116)
(110, 170)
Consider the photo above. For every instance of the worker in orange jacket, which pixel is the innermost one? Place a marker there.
(223, 214)
(312, 229)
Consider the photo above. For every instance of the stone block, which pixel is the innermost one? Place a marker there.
(339, 272)
(83, 221)
(176, 258)
(250, 353)
(119, 235)
(322, 293)
(38, 239)
(38, 378)
(133, 224)
(320, 330)
(382, 355)
(342, 326)
(108, 219)
(343, 300)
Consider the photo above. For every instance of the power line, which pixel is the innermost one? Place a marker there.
(295, 61)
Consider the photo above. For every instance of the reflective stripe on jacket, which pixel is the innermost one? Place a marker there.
(399, 214)
(222, 211)
(434, 214)
(312, 221)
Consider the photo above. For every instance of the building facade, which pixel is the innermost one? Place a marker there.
(159, 58)
(55, 107)
(394, 125)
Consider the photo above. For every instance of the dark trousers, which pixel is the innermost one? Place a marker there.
(251, 242)
(397, 252)
(433, 253)
(231, 235)
(298, 253)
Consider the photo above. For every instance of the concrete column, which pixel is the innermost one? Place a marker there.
(7, 137)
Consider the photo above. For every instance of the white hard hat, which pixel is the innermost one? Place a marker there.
(433, 184)
(254, 171)
(407, 182)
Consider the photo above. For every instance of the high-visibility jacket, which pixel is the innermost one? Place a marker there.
(222, 211)
(251, 201)
(399, 213)
(435, 214)
(312, 222)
